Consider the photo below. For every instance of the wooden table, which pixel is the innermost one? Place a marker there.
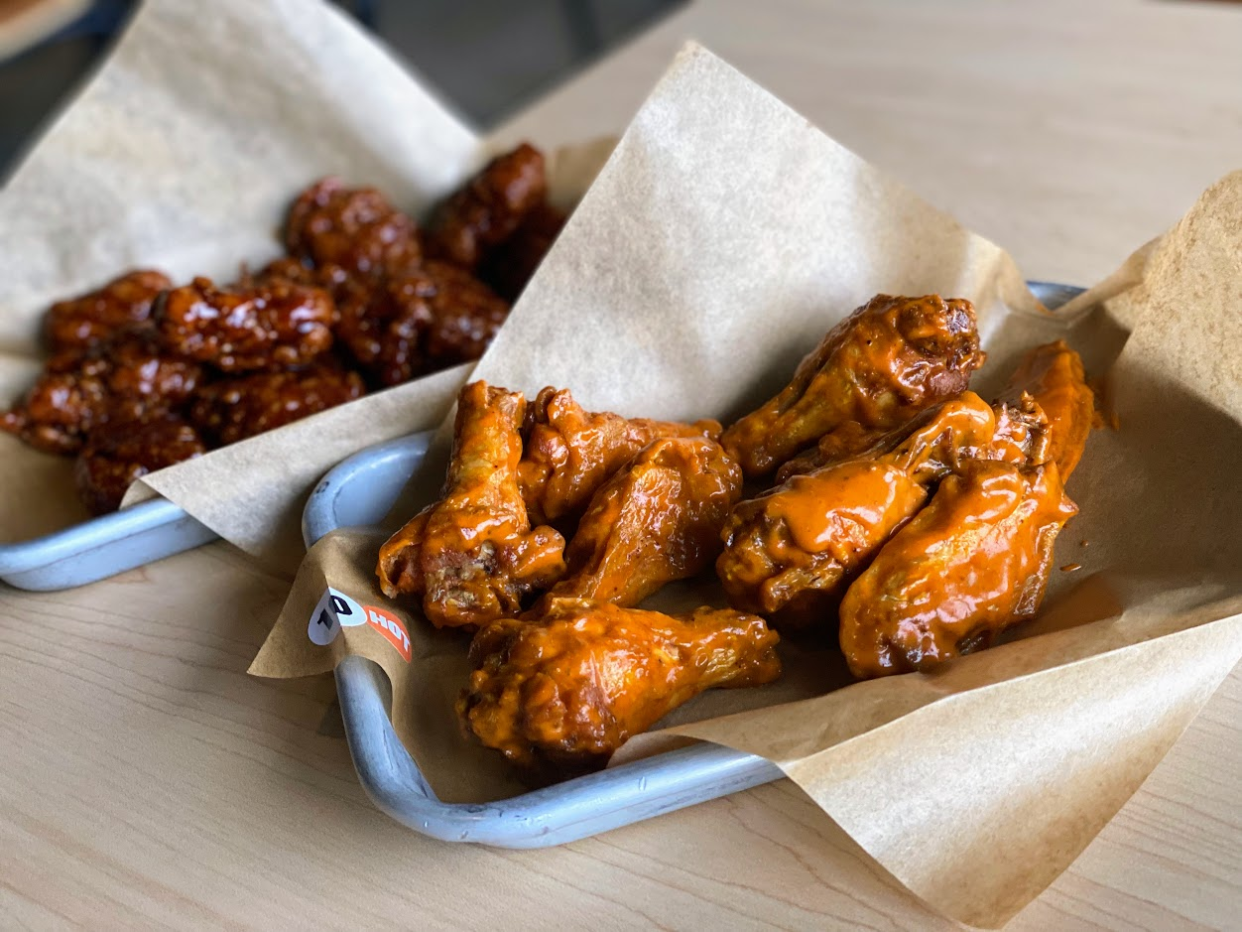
(147, 781)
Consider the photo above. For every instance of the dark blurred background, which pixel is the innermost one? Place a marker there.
(488, 57)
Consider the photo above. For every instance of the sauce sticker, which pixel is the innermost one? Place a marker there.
(334, 611)
(391, 627)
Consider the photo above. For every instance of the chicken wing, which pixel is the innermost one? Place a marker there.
(264, 325)
(125, 376)
(512, 264)
(790, 553)
(1053, 376)
(78, 324)
(655, 521)
(890, 359)
(120, 452)
(569, 688)
(472, 555)
(356, 229)
(489, 209)
(235, 409)
(571, 452)
(974, 562)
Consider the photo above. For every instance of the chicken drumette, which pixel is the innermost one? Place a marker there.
(472, 555)
(790, 553)
(890, 359)
(571, 452)
(569, 688)
(655, 521)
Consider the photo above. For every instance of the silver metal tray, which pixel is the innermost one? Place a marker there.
(360, 491)
(102, 547)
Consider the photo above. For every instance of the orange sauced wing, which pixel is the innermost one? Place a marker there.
(472, 556)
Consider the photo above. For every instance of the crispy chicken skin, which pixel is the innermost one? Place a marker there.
(356, 229)
(790, 553)
(1053, 376)
(571, 452)
(655, 521)
(120, 452)
(490, 208)
(235, 409)
(974, 562)
(890, 359)
(78, 324)
(472, 555)
(569, 688)
(264, 325)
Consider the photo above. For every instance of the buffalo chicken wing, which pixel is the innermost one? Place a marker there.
(790, 553)
(472, 556)
(655, 521)
(974, 562)
(890, 359)
(570, 687)
(571, 452)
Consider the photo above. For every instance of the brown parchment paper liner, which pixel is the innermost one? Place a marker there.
(718, 244)
(183, 153)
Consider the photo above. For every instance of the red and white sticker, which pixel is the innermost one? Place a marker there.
(391, 627)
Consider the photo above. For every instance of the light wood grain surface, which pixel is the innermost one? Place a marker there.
(146, 781)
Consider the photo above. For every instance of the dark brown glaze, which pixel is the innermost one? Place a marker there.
(58, 412)
(268, 325)
(512, 264)
(465, 316)
(78, 324)
(120, 452)
(570, 452)
(891, 359)
(568, 688)
(490, 208)
(974, 562)
(472, 556)
(234, 409)
(790, 553)
(140, 376)
(655, 521)
(354, 228)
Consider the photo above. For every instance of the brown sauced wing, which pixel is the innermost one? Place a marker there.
(490, 208)
(356, 229)
(512, 264)
(120, 452)
(567, 689)
(269, 325)
(237, 408)
(890, 359)
(81, 323)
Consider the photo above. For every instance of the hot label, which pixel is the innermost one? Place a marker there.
(391, 627)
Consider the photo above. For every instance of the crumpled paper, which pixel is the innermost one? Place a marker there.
(183, 153)
(725, 236)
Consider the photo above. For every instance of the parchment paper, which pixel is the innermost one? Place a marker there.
(183, 154)
(724, 237)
